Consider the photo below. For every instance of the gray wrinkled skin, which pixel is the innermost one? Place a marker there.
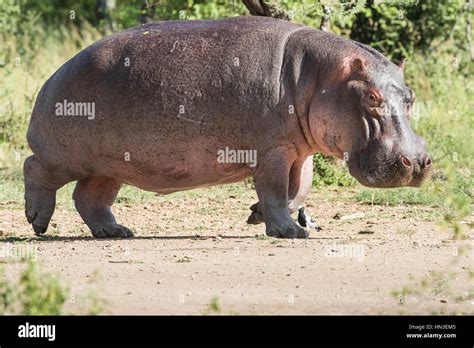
(168, 96)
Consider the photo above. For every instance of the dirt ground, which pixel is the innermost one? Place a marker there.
(191, 248)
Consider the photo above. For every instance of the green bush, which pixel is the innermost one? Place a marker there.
(327, 171)
(405, 28)
(34, 294)
(39, 293)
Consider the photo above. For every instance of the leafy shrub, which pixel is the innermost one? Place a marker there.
(35, 294)
(328, 172)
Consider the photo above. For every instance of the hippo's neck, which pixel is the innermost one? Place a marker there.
(312, 73)
(305, 72)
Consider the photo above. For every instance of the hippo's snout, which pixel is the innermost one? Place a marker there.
(385, 164)
(417, 162)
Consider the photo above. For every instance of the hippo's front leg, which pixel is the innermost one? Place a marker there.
(271, 182)
(300, 183)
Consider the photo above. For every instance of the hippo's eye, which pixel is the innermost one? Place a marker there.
(374, 98)
(374, 102)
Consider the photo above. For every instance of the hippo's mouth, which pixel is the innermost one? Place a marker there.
(387, 173)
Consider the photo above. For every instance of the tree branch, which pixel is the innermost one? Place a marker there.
(261, 8)
(325, 21)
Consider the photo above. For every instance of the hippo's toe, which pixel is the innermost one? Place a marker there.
(290, 232)
(39, 229)
(112, 231)
(255, 218)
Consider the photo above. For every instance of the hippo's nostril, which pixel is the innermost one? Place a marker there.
(424, 161)
(405, 161)
(428, 162)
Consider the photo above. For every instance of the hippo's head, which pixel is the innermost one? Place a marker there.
(374, 134)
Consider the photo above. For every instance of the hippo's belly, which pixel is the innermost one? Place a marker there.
(177, 179)
(174, 164)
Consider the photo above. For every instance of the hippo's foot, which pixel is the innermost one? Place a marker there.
(255, 218)
(93, 197)
(39, 230)
(111, 231)
(289, 231)
(40, 198)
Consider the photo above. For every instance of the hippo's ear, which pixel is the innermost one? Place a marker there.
(401, 65)
(358, 66)
(355, 68)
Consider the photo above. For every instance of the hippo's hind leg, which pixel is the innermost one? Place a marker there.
(93, 197)
(40, 193)
(300, 183)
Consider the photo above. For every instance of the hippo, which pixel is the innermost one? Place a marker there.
(177, 105)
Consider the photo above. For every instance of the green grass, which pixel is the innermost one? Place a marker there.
(401, 294)
(395, 196)
(214, 306)
(132, 194)
(34, 293)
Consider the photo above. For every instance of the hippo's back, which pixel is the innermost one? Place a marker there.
(163, 82)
